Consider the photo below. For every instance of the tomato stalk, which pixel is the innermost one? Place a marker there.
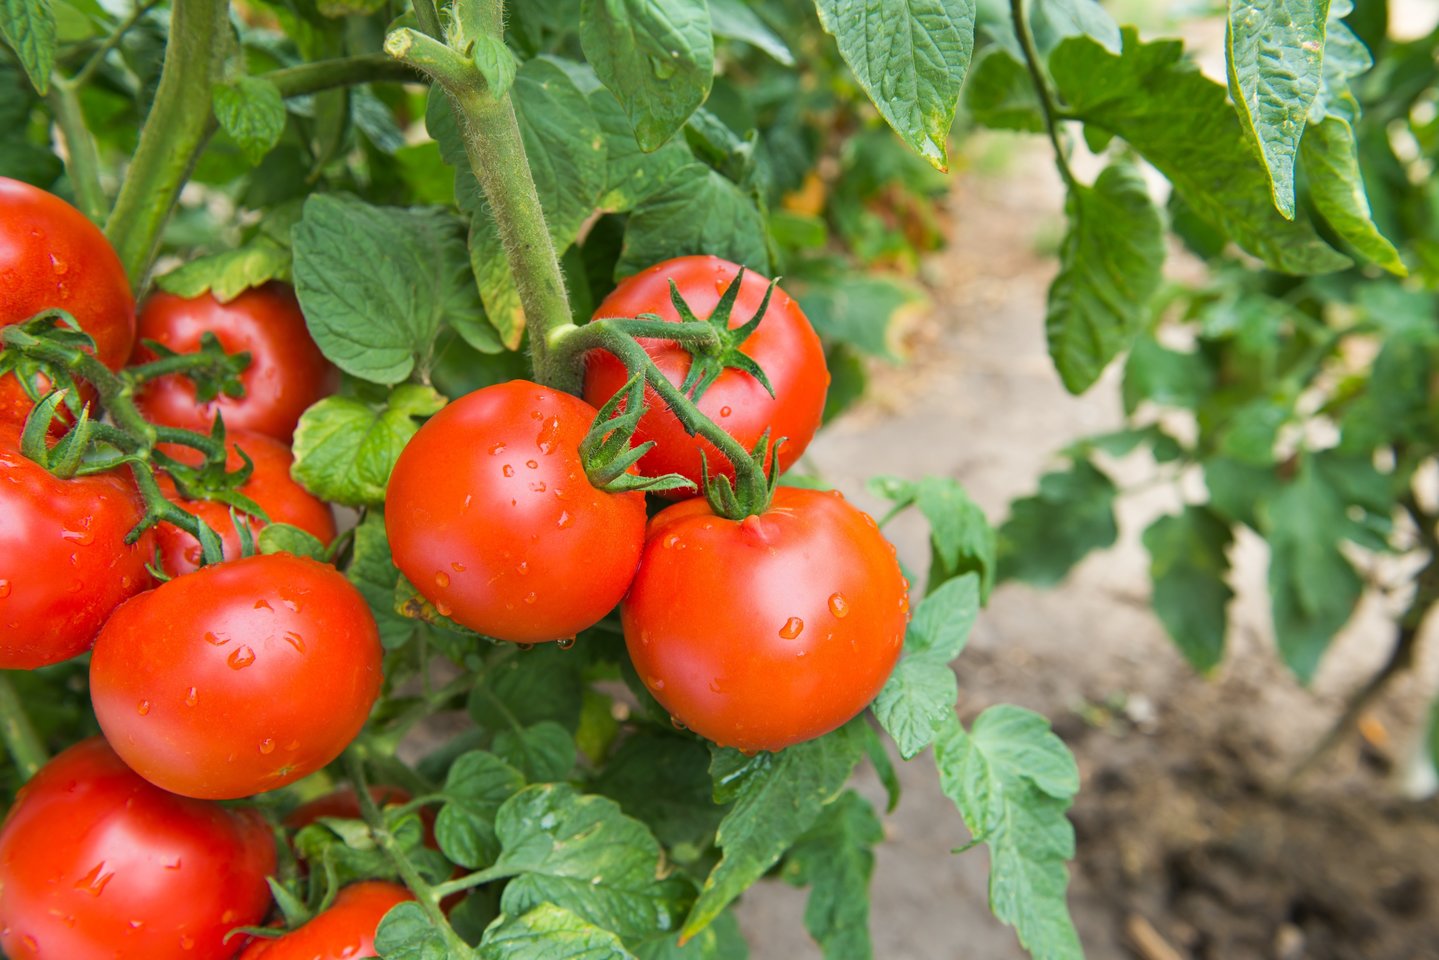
(1041, 89)
(18, 732)
(82, 161)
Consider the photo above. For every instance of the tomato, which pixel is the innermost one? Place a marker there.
(238, 678)
(95, 864)
(64, 564)
(52, 256)
(345, 930)
(269, 485)
(491, 516)
(287, 372)
(769, 631)
(784, 345)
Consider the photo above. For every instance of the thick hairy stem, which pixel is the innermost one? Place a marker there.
(175, 131)
(339, 72)
(82, 161)
(18, 733)
(1041, 90)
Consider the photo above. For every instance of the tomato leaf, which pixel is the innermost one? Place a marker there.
(229, 273)
(656, 56)
(477, 784)
(1110, 265)
(28, 27)
(835, 859)
(252, 112)
(373, 572)
(721, 940)
(1188, 563)
(960, 536)
(664, 781)
(777, 797)
(345, 448)
(1048, 533)
(545, 752)
(1172, 378)
(734, 20)
(1000, 93)
(283, 538)
(407, 934)
(920, 696)
(855, 308)
(495, 62)
(699, 211)
(910, 58)
(1273, 51)
(1053, 20)
(549, 932)
(543, 683)
(1012, 780)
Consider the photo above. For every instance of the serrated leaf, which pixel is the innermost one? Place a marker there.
(284, 538)
(697, 210)
(374, 574)
(1110, 266)
(721, 940)
(776, 797)
(1336, 185)
(1000, 93)
(1188, 561)
(228, 274)
(656, 56)
(1048, 533)
(544, 752)
(1053, 20)
(495, 62)
(1273, 55)
(549, 932)
(1167, 377)
(252, 112)
(407, 934)
(664, 781)
(543, 683)
(1012, 780)
(961, 538)
(734, 20)
(835, 859)
(856, 308)
(345, 449)
(375, 283)
(1201, 149)
(28, 27)
(919, 698)
(910, 58)
(477, 784)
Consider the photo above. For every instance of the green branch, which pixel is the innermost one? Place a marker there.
(339, 72)
(18, 732)
(82, 160)
(1041, 90)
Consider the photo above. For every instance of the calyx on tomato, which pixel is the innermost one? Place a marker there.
(605, 450)
(710, 361)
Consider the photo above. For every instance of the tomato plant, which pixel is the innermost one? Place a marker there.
(97, 863)
(345, 930)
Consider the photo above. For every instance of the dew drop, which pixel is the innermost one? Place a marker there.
(497, 449)
(4, 589)
(60, 266)
(442, 579)
(457, 566)
(565, 520)
(525, 647)
(655, 683)
(677, 723)
(192, 697)
(30, 942)
(292, 746)
(267, 746)
(143, 707)
(508, 470)
(263, 605)
(532, 464)
(187, 942)
(549, 435)
(523, 567)
(565, 643)
(444, 608)
(725, 411)
(716, 685)
(538, 486)
(94, 882)
(531, 597)
(240, 658)
(838, 605)
(670, 541)
(792, 628)
(295, 640)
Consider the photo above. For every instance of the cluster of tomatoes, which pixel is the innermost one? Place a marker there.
(231, 679)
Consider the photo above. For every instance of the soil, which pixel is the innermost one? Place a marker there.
(1192, 842)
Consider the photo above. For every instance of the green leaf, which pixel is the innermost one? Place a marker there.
(1012, 780)
(1188, 562)
(910, 58)
(656, 56)
(228, 274)
(699, 211)
(777, 797)
(721, 940)
(1201, 149)
(407, 934)
(1167, 377)
(734, 20)
(835, 859)
(919, 698)
(530, 686)
(1331, 163)
(1273, 52)
(1432, 737)
(495, 62)
(664, 781)
(374, 574)
(345, 448)
(855, 308)
(28, 27)
(1109, 268)
(583, 854)
(283, 538)
(544, 753)
(1048, 533)
(252, 112)
(375, 283)
(477, 784)
(1053, 20)
(549, 932)
(1000, 93)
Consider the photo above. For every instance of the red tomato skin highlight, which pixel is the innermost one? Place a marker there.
(64, 563)
(287, 371)
(491, 517)
(96, 863)
(270, 485)
(343, 932)
(51, 255)
(767, 632)
(784, 345)
(239, 678)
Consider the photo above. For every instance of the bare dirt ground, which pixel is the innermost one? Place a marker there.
(1189, 844)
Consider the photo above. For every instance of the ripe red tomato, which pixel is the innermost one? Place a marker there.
(770, 631)
(784, 345)
(287, 372)
(52, 256)
(345, 930)
(269, 485)
(95, 864)
(238, 678)
(491, 517)
(64, 564)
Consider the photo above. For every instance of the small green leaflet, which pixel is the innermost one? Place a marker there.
(495, 62)
(477, 784)
(855, 308)
(283, 538)
(721, 940)
(777, 797)
(835, 860)
(698, 210)
(345, 448)
(374, 574)
(28, 27)
(1012, 780)
(1273, 52)
(1110, 266)
(407, 934)
(252, 112)
(911, 59)
(549, 932)
(656, 56)
(228, 274)
(919, 697)
(543, 753)
(734, 20)
(1000, 93)
(961, 539)
(1048, 533)
(1188, 561)
(1053, 20)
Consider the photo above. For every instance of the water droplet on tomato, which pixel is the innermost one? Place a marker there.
(538, 486)
(523, 567)
(267, 746)
(94, 882)
(442, 579)
(549, 435)
(497, 449)
(4, 589)
(531, 597)
(295, 640)
(143, 707)
(187, 942)
(532, 464)
(670, 541)
(565, 643)
(457, 566)
(655, 683)
(792, 628)
(716, 685)
(30, 942)
(192, 697)
(525, 647)
(838, 605)
(565, 520)
(508, 470)
(263, 605)
(240, 658)
(60, 266)
(725, 411)
(444, 608)
(677, 723)
(294, 606)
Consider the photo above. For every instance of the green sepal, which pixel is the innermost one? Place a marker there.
(60, 328)
(740, 499)
(707, 364)
(210, 382)
(606, 452)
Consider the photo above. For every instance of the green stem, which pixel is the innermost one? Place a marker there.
(1041, 90)
(429, 18)
(82, 161)
(469, 881)
(111, 42)
(175, 132)
(338, 72)
(496, 153)
(24, 744)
